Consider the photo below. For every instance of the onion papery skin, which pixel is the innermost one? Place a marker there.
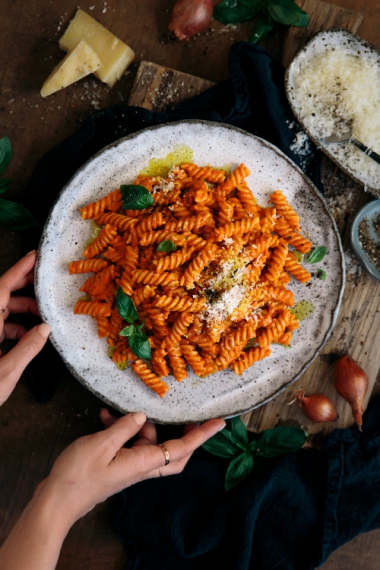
(352, 384)
(317, 407)
(189, 17)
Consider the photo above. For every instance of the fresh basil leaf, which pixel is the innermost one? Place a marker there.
(4, 184)
(321, 274)
(15, 216)
(135, 197)
(252, 446)
(317, 254)
(5, 153)
(303, 19)
(287, 12)
(237, 11)
(128, 331)
(283, 15)
(261, 30)
(239, 431)
(280, 440)
(126, 307)
(238, 469)
(140, 346)
(228, 433)
(167, 245)
(223, 445)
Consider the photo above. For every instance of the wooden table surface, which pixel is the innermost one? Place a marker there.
(32, 435)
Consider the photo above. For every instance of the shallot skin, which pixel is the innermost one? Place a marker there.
(351, 382)
(189, 17)
(317, 407)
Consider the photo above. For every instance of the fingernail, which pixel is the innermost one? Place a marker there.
(139, 418)
(222, 427)
(30, 252)
(44, 330)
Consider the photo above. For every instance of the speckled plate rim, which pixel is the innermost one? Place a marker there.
(373, 205)
(317, 142)
(317, 195)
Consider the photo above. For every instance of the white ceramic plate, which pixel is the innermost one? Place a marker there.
(195, 399)
(360, 58)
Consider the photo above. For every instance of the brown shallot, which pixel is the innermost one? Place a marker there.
(189, 17)
(352, 384)
(317, 407)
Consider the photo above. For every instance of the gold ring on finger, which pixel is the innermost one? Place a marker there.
(165, 452)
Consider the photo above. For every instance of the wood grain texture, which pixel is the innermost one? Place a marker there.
(159, 88)
(322, 16)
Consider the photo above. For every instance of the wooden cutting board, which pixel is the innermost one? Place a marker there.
(357, 330)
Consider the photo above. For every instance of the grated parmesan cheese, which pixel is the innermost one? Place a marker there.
(336, 88)
(164, 186)
(226, 304)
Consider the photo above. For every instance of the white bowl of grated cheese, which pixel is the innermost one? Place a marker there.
(332, 83)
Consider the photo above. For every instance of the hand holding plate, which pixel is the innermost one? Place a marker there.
(15, 361)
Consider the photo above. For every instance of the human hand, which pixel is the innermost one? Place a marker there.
(148, 436)
(97, 466)
(30, 342)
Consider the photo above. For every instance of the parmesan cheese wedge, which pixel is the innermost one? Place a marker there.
(115, 55)
(78, 63)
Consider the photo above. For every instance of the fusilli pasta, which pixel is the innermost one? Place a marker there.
(217, 297)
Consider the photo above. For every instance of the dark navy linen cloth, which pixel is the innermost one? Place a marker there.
(289, 514)
(252, 99)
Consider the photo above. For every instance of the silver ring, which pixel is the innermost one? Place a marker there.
(165, 452)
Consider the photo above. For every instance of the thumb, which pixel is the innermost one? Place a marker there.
(13, 364)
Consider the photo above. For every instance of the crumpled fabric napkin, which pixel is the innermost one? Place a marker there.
(253, 99)
(290, 513)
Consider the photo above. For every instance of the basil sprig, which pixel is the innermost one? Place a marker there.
(167, 245)
(317, 254)
(235, 444)
(285, 12)
(12, 215)
(138, 341)
(135, 197)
